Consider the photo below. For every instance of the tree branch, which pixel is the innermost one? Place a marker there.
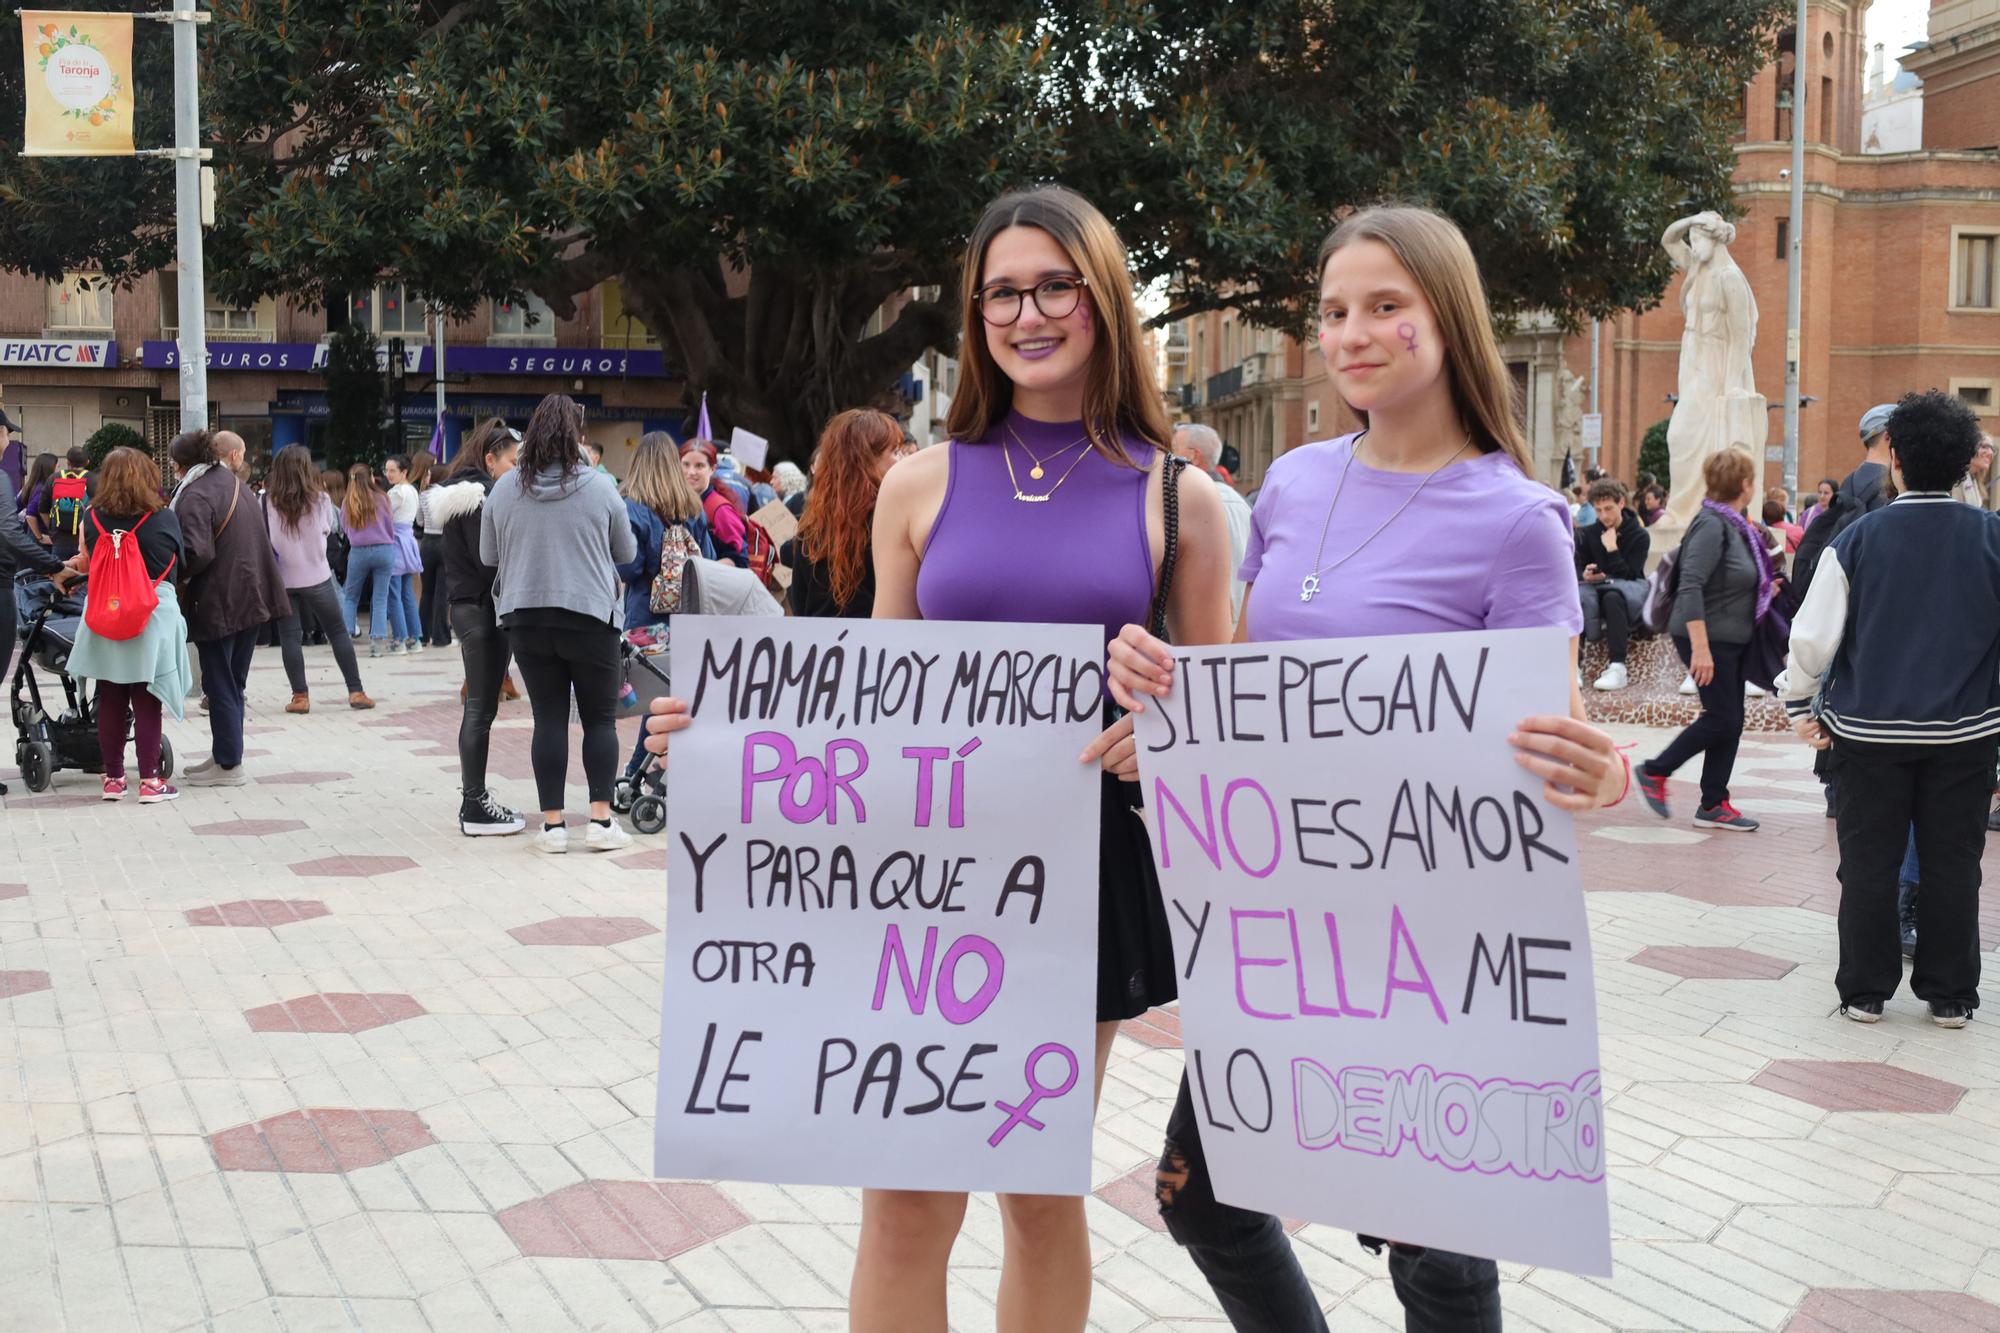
(877, 361)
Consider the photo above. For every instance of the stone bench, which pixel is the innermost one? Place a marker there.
(1653, 698)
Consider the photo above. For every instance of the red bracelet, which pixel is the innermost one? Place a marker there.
(1626, 790)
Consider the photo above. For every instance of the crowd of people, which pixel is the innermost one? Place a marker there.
(1429, 519)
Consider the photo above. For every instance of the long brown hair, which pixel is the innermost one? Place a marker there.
(1118, 392)
(840, 509)
(417, 469)
(1434, 251)
(657, 482)
(551, 441)
(127, 483)
(293, 488)
(492, 436)
(363, 501)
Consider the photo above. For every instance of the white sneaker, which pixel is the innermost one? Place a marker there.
(414, 646)
(552, 841)
(1687, 685)
(1752, 691)
(606, 837)
(208, 775)
(202, 767)
(1614, 678)
(395, 648)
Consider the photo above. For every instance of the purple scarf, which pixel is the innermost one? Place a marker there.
(1766, 575)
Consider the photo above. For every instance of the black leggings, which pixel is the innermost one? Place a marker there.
(482, 645)
(433, 611)
(555, 664)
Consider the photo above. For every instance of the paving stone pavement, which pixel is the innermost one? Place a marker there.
(298, 1056)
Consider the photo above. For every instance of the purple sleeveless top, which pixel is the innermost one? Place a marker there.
(1081, 558)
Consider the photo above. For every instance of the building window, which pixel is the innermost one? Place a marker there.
(526, 320)
(1975, 394)
(389, 310)
(621, 328)
(222, 323)
(1784, 240)
(80, 303)
(1312, 420)
(1972, 256)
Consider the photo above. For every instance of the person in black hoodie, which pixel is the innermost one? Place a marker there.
(19, 552)
(1611, 575)
(455, 507)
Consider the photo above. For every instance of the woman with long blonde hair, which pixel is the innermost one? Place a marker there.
(1428, 520)
(658, 499)
(832, 574)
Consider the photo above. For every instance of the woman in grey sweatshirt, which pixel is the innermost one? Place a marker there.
(556, 531)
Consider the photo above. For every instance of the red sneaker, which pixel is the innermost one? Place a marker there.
(153, 791)
(1653, 787)
(114, 789)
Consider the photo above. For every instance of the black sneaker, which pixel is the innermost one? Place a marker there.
(483, 817)
(1993, 820)
(1950, 1013)
(1906, 917)
(1863, 1011)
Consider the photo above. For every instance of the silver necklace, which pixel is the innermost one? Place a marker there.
(1309, 585)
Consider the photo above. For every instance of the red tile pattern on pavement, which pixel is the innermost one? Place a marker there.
(621, 1219)
(319, 1141)
(1133, 1195)
(13, 891)
(258, 912)
(22, 983)
(301, 779)
(247, 828)
(656, 859)
(1157, 1028)
(1859, 1085)
(1829, 1311)
(584, 930)
(351, 867)
(57, 801)
(1706, 964)
(334, 1011)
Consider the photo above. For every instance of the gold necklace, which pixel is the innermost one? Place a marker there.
(1035, 472)
(1007, 452)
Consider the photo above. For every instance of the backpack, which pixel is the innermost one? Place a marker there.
(69, 495)
(122, 594)
(670, 585)
(1662, 586)
(758, 550)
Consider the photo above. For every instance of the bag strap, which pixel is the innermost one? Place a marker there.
(234, 496)
(1170, 513)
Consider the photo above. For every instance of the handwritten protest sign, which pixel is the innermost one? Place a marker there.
(1386, 998)
(881, 905)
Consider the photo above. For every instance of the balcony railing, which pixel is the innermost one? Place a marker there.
(170, 333)
(1226, 385)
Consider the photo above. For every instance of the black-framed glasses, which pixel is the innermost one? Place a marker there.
(1055, 297)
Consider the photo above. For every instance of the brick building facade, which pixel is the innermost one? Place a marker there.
(74, 356)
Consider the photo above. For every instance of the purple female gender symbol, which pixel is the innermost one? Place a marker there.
(1018, 1115)
(1408, 333)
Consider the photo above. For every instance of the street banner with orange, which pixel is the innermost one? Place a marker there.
(78, 80)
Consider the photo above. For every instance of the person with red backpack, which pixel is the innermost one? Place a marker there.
(133, 640)
(728, 526)
(64, 500)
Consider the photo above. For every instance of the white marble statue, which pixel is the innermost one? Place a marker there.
(1719, 405)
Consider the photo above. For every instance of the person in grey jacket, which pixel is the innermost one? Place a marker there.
(1715, 610)
(19, 553)
(556, 531)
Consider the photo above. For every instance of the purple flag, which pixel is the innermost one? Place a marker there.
(702, 430)
(436, 446)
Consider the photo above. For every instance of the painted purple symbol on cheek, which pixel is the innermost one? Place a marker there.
(1408, 333)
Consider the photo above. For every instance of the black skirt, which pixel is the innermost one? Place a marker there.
(1135, 949)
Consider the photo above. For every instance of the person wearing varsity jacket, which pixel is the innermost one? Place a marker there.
(1897, 671)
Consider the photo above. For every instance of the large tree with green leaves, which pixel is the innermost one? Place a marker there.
(761, 175)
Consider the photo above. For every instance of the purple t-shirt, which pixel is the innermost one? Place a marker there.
(1484, 547)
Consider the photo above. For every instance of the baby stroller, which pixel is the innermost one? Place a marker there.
(711, 588)
(47, 742)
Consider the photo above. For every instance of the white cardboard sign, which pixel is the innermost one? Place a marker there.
(1386, 990)
(750, 449)
(881, 905)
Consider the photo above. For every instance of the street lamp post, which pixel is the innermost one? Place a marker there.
(191, 338)
(1795, 259)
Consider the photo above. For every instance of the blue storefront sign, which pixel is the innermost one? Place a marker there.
(619, 362)
(63, 353)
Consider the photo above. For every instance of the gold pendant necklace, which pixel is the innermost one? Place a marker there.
(1035, 473)
(1007, 452)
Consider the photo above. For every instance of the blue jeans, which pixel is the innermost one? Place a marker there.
(1909, 873)
(404, 620)
(1249, 1263)
(225, 669)
(369, 567)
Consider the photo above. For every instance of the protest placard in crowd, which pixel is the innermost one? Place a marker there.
(1386, 991)
(882, 903)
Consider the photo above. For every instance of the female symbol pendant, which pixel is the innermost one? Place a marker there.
(1309, 588)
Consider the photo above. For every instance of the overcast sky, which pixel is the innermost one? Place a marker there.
(1895, 24)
